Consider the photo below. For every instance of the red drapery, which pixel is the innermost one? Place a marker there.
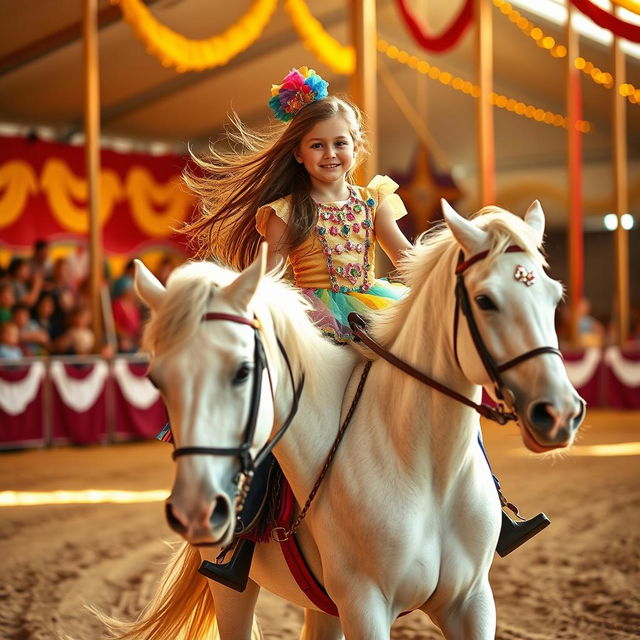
(444, 40)
(607, 20)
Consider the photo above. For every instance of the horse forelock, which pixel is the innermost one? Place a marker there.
(505, 229)
(431, 263)
(179, 315)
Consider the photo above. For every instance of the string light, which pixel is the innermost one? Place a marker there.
(598, 76)
(465, 86)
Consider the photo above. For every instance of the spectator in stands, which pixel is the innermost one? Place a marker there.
(63, 293)
(122, 282)
(34, 340)
(165, 267)
(127, 317)
(26, 286)
(42, 313)
(9, 342)
(7, 300)
(591, 332)
(78, 335)
(40, 262)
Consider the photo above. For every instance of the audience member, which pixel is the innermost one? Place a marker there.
(42, 313)
(127, 317)
(34, 340)
(165, 267)
(78, 337)
(10, 341)
(40, 262)
(7, 300)
(64, 296)
(26, 286)
(122, 282)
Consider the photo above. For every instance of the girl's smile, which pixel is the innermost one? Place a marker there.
(327, 152)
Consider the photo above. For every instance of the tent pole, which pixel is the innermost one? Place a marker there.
(619, 120)
(574, 169)
(485, 128)
(364, 87)
(92, 161)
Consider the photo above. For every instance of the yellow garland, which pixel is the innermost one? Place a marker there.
(467, 87)
(629, 5)
(174, 50)
(324, 47)
(598, 76)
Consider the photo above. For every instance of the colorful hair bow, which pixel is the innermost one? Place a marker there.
(299, 88)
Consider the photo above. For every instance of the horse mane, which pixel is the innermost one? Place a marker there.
(190, 288)
(433, 257)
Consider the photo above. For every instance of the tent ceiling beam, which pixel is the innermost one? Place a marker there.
(56, 40)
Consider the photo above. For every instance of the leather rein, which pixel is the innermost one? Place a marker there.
(503, 393)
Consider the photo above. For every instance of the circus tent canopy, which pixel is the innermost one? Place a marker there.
(41, 85)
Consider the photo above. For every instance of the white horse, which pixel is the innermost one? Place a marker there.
(408, 516)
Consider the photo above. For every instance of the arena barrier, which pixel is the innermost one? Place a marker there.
(90, 400)
(77, 400)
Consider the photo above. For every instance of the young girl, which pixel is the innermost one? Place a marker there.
(294, 188)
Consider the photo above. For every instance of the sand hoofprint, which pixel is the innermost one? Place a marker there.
(578, 580)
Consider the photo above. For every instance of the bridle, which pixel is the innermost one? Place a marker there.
(463, 304)
(503, 393)
(248, 464)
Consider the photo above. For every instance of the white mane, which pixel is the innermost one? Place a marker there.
(189, 289)
(430, 265)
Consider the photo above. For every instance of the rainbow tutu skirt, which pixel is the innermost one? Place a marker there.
(331, 310)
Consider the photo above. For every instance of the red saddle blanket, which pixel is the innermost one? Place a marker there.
(296, 562)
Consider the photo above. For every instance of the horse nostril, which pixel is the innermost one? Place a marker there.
(174, 522)
(578, 416)
(220, 514)
(540, 417)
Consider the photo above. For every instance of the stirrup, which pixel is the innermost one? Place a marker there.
(235, 573)
(513, 534)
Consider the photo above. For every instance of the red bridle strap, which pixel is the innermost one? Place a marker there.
(252, 322)
(463, 266)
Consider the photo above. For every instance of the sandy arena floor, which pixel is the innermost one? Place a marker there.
(578, 580)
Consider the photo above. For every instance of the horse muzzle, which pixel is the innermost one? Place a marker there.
(208, 524)
(549, 425)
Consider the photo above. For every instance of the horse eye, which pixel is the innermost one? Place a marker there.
(486, 303)
(242, 374)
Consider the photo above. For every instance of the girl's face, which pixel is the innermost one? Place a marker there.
(327, 151)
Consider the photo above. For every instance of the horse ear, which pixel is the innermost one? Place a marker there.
(148, 287)
(243, 288)
(535, 219)
(471, 238)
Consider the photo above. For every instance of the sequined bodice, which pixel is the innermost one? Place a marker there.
(346, 235)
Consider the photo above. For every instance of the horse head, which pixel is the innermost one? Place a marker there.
(206, 354)
(508, 343)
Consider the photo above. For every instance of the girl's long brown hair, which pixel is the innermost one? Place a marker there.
(259, 168)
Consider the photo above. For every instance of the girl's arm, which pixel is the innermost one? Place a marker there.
(278, 250)
(388, 234)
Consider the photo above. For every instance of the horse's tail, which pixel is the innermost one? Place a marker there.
(182, 607)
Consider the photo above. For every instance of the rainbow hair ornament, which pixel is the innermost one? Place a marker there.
(299, 88)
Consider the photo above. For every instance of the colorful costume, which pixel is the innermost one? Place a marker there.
(334, 266)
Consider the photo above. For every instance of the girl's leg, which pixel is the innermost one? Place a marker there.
(513, 533)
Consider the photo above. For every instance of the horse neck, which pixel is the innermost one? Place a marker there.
(302, 451)
(437, 438)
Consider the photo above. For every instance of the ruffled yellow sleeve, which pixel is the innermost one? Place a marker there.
(383, 189)
(281, 208)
